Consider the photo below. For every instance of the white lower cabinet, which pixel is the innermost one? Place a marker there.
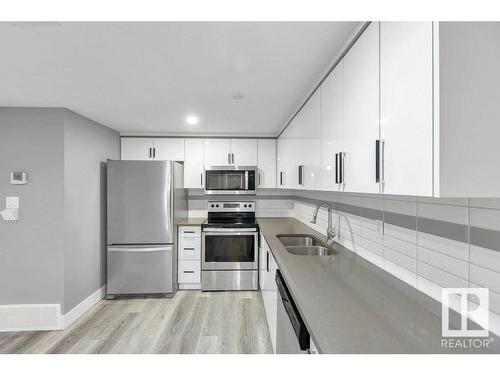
(267, 273)
(189, 257)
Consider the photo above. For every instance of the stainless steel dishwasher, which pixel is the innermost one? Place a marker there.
(292, 336)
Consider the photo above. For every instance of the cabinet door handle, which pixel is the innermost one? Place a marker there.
(201, 179)
(281, 178)
(154, 152)
(382, 161)
(259, 178)
(336, 168)
(150, 152)
(232, 158)
(301, 175)
(342, 168)
(188, 271)
(189, 248)
(228, 158)
(267, 261)
(379, 160)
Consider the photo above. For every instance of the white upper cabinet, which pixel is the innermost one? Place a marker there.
(311, 140)
(217, 152)
(193, 163)
(137, 148)
(361, 111)
(244, 152)
(152, 149)
(332, 130)
(169, 149)
(406, 123)
(266, 163)
(285, 177)
(225, 152)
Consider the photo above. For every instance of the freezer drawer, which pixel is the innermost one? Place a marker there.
(140, 269)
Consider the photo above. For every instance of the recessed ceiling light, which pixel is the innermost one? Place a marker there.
(192, 120)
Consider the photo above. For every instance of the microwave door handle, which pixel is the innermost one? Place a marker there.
(246, 180)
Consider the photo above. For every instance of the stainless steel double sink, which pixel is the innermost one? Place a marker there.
(305, 244)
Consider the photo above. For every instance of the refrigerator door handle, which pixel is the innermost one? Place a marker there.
(138, 249)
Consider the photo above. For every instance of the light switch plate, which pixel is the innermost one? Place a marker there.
(12, 202)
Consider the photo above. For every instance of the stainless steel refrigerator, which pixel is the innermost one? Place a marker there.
(145, 200)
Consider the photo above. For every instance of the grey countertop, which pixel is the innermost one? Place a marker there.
(192, 221)
(349, 305)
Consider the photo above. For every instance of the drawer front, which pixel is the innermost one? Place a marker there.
(189, 232)
(139, 270)
(189, 252)
(189, 271)
(191, 246)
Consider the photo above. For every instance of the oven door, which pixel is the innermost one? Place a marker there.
(229, 249)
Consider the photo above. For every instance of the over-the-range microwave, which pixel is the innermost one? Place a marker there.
(233, 179)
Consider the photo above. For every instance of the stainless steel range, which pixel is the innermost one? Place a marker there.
(229, 250)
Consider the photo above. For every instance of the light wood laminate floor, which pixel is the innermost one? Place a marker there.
(191, 322)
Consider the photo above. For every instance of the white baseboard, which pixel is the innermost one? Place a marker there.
(189, 286)
(35, 317)
(44, 317)
(69, 318)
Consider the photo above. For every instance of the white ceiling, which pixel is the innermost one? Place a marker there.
(145, 78)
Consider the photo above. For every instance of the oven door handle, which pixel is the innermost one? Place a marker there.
(230, 230)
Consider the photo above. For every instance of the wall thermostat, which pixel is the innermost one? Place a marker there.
(18, 178)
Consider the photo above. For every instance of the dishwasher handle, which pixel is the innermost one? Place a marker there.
(293, 313)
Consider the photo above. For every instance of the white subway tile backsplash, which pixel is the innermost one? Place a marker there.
(440, 277)
(486, 258)
(351, 236)
(444, 262)
(373, 235)
(485, 277)
(400, 259)
(446, 246)
(407, 248)
(401, 233)
(374, 247)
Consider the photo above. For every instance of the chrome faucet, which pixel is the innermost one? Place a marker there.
(330, 231)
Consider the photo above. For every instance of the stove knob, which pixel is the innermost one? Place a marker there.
(212, 205)
(249, 205)
(245, 205)
(217, 205)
